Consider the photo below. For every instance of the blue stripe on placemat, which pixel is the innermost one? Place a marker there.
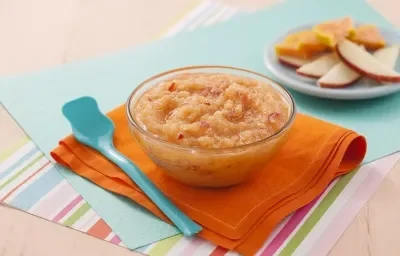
(18, 163)
(37, 189)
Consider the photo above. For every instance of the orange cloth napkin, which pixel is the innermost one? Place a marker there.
(240, 217)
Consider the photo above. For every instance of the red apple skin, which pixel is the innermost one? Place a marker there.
(307, 75)
(379, 78)
(334, 86)
(288, 63)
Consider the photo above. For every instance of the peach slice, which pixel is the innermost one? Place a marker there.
(369, 36)
(301, 44)
(293, 50)
(365, 63)
(306, 40)
(332, 31)
(318, 67)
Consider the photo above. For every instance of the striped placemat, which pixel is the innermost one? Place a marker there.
(29, 182)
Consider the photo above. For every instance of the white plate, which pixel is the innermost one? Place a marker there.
(362, 89)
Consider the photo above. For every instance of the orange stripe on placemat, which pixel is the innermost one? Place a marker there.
(219, 251)
(24, 181)
(100, 229)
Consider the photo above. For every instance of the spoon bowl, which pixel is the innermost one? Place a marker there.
(88, 124)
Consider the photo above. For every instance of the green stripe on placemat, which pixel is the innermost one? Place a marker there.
(165, 245)
(77, 215)
(11, 150)
(310, 223)
(17, 174)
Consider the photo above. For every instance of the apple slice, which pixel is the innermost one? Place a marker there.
(338, 77)
(292, 61)
(388, 55)
(341, 75)
(318, 67)
(365, 63)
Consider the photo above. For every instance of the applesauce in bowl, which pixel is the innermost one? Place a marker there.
(210, 126)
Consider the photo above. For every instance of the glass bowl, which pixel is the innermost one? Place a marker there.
(208, 167)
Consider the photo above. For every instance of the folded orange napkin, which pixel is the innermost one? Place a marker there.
(240, 217)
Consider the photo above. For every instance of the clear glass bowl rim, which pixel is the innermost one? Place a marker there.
(210, 150)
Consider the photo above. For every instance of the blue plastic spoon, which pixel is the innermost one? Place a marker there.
(96, 130)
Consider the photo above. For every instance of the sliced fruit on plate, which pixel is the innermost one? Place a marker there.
(318, 67)
(306, 40)
(292, 61)
(302, 44)
(388, 55)
(369, 36)
(365, 63)
(292, 50)
(331, 32)
(341, 75)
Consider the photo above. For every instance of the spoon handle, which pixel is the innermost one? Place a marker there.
(187, 226)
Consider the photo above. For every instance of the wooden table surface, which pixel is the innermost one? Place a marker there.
(43, 33)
